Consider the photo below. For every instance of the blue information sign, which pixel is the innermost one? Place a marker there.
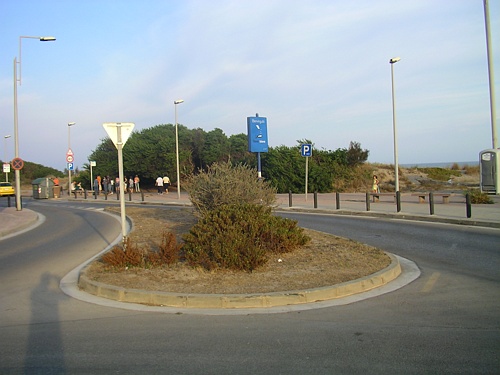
(71, 166)
(257, 134)
(306, 149)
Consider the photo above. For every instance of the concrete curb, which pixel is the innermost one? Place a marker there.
(19, 221)
(241, 301)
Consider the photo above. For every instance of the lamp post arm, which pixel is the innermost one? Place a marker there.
(41, 39)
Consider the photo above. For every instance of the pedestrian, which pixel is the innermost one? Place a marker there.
(136, 184)
(99, 186)
(96, 186)
(111, 185)
(159, 185)
(375, 187)
(166, 183)
(131, 184)
(117, 185)
(104, 185)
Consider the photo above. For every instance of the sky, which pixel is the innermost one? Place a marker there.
(317, 70)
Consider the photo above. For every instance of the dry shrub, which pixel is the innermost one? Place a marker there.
(127, 256)
(168, 251)
(471, 170)
(225, 184)
(478, 197)
(130, 255)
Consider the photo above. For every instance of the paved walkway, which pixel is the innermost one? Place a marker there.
(12, 221)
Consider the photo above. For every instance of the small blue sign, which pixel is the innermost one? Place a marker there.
(71, 166)
(257, 134)
(306, 149)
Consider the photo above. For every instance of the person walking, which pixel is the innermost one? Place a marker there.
(375, 187)
(159, 185)
(166, 183)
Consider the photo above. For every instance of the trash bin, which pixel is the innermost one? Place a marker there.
(43, 188)
(57, 191)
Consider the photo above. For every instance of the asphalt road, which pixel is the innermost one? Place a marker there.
(446, 321)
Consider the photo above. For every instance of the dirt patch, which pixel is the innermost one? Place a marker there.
(325, 261)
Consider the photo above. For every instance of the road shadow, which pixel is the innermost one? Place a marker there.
(45, 349)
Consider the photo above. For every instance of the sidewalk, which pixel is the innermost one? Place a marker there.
(350, 204)
(455, 212)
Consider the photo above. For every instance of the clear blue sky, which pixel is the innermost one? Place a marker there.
(316, 69)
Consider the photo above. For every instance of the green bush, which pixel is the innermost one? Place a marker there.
(478, 197)
(225, 184)
(440, 174)
(240, 237)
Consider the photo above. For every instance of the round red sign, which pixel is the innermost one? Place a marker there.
(17, 164)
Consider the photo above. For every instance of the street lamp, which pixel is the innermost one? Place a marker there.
(491, 77)
(396, 167)
(16, 132)
(70, 124)
(179, 101)
(5, 155)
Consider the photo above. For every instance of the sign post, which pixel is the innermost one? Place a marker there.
(306, 151)
(6, 170)
(119, 133)
(92, 164)
(257, 138)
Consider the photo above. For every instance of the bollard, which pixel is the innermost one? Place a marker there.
(95, 193)
(85, 193)
(130, 196)
(398, 201)
(289, 198)
(105, 195)
(8, 201)
(118, 195)
(468, 206)
(142, 195)
(431, 203)
(337, 199)
(315, 199)
(367, 201)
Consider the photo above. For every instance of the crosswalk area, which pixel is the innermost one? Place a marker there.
(66, 204)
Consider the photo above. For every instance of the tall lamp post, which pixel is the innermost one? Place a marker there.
(5, 155)
(70, 124)
(16, 133)
(491, 76)
(396, 166)
(179, 101)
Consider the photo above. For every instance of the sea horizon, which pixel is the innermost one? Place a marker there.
(441, 164)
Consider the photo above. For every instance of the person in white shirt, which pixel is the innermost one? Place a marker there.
(159, 185)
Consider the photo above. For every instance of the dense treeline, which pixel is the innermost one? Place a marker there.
(150, 153)
(32, 171)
